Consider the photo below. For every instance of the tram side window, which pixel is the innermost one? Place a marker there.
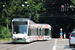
(50, 32)
(40, 32)
(37, 31)
(33, 32)
(43, 31)
(46, 32)
(29, 32)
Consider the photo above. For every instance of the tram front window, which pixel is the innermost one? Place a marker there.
(19, 28)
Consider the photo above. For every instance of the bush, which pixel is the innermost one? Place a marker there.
(5, 32)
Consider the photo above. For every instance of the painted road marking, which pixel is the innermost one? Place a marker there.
(63, 45)
(54, 47)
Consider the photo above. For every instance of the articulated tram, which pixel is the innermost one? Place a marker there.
(25, 30)
(44, 31)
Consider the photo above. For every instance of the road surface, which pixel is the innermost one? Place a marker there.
(54, 44)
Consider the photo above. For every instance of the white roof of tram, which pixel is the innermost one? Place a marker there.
(20, 19)
(44, 24)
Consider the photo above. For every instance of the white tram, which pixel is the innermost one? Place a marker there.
(39, 32)
(46, 31)
(25, 30)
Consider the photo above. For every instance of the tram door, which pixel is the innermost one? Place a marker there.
(40, 34)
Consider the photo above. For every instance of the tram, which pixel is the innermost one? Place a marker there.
(25, 30)
(46, 31)
(39, 32)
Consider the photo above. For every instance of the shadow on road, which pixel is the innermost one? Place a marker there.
(22, 42)
(41, 40)
(13, 43)
(67, 47)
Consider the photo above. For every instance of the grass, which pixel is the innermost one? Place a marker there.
(6, 39)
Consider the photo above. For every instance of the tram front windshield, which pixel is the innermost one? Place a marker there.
(20, 27)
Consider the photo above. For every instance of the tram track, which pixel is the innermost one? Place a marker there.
(5, 47)
(9, 47)
(12, 47)
(15, 47)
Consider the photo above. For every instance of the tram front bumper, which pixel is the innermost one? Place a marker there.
(19, 40)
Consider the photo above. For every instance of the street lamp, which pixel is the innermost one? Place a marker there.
(26, 2)
(7, 18)
(27, 6)
(61, 29)
(65, 7)
(29, 17)
(3, 5)
(22, 5)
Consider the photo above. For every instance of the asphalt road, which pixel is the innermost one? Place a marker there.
(54, 44)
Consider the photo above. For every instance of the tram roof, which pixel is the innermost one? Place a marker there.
(46, 24)
(20, 19)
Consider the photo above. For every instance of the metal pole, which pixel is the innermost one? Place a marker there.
(7, 18)
(29, 17)
(7, 21)
(64, 35)
(60, 29)
(61, 34)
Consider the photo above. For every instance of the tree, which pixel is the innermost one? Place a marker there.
(73, 2)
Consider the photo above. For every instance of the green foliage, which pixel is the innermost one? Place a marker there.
(14, 9)
(44, 9)
(73, 1)
(36, 17)
(5, 32)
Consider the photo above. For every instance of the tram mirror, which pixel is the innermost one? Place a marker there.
(14, 32)
(13, 22)
(25, 22)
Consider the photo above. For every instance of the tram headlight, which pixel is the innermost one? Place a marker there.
(45, 37)
(14, 37)
(27, 38)
(24, 37)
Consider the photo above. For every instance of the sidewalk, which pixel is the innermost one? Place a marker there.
(62, 44)
(61, 39)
